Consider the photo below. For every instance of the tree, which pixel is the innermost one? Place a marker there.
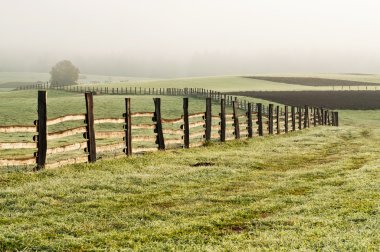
(64, 73)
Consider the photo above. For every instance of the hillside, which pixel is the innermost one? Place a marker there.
(315, 189)
(303, 191)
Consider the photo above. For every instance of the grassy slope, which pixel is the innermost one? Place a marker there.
(236, 83)
(20, 108)
(321, 195)
(30, 77)
(224, 83)
(221, 83)
(315, 190)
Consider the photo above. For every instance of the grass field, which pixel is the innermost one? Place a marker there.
(315, 190)
(220, 83)
(321, 195)
(15, 79)
(20, 108)
(231, 83)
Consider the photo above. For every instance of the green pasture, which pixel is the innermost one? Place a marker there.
(315, 190)
(227, 84)
(20, 108)
(223, 84)
(14, 79)
(219, 83)
(310, 190)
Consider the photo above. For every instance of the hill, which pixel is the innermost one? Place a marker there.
(310, 190)
(304, 191)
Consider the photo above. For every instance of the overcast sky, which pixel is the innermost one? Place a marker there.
(168, 38)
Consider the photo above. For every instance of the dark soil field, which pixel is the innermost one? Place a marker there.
(313, 81)
(327, 99)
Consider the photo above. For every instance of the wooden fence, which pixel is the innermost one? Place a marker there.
(190, 92)
(190, 130)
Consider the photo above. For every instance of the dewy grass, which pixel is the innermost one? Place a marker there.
(315, 190)
(312, 190)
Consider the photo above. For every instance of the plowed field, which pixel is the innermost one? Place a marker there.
(328, 99)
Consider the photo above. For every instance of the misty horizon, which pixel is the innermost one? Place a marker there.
(170, 38)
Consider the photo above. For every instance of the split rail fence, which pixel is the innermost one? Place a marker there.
(190, 130)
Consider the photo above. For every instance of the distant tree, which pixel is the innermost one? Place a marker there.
(64, 73)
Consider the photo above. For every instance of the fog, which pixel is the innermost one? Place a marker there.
(172, 38)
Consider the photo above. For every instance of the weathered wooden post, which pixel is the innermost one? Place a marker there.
(249, 122)
(336, 119)
(157, 118)
(208, 119)
(306, 122)
(186, 127)
(328, 118)
(270, 119)
(278, 120)
(128, 127)
(222, 120)
(42, 130)
(322, 116)
(293, 114)
(299, 118)
(286, 113)
(90, 131)
(236, 119)
(260, 119)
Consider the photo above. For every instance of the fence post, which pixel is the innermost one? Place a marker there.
(208, 119)
(260, 119)
(278, 119)
(222, 120)
(90, 134)
(270, 119)
(322, 116)
(327, 117)
(314, 116)
(186, 128)
(336, 119)
(300, 118)
(249, 117)
(306, 122)
(236, 119)
(332, 118)
(128, 127)
(157, 118)
(318, 117)
(286, 114)
(293, 114)
(42, 130)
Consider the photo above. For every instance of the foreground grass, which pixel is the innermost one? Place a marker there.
(312, 190)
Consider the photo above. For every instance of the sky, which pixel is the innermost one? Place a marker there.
(174, 38)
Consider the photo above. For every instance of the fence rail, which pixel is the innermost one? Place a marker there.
(187, 131)
(196, 92)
